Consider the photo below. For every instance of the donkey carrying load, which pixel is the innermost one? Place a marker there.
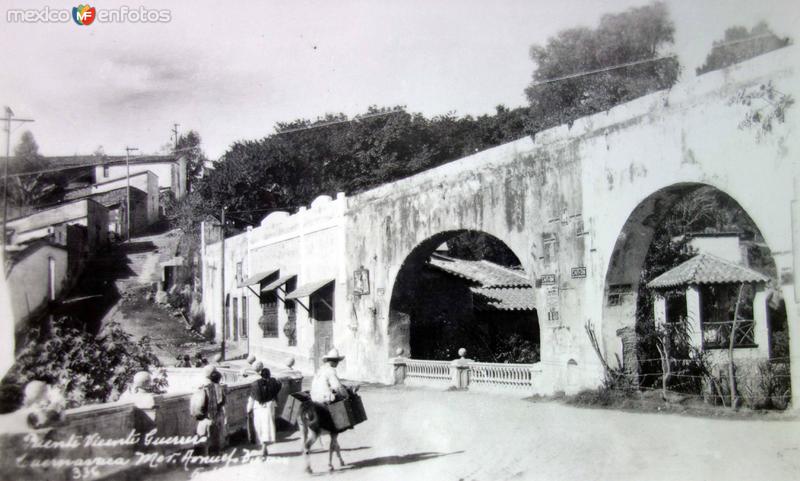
(315, 419)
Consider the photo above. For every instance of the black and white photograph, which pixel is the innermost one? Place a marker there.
(400, 240)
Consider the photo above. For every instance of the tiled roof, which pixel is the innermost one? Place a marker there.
(485, 273)
(706, 269)
(505, 298)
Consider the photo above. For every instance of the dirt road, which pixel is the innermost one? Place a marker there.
(429, 435)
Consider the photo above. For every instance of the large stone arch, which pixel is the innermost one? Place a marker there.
(626, 259)
(404, 284)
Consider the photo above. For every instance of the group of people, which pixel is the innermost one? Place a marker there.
(42, 404)
(208, 406)
(186, 361)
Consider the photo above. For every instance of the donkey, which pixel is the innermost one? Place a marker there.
(311, 428)
(314, 420)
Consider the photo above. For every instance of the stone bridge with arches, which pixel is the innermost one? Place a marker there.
(578, 205)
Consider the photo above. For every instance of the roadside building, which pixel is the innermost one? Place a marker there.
(283, 282)
(37, 273)
(116, 201)
(714, 290)
(85, 212)
(169, 170)
(146, 182)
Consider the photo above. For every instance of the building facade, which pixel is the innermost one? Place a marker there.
(284, 285)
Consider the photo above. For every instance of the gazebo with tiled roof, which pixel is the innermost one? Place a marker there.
(708, 270)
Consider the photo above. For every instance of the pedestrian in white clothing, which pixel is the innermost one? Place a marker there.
(261, 404)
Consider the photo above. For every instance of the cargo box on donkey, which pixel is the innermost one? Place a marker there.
(345, 413)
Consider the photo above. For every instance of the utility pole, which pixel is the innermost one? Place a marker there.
(8, 118)
(128, 151)
(222, 284)
(175, 133)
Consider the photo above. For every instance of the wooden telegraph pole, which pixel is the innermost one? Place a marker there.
(8, 119)
(128, 151)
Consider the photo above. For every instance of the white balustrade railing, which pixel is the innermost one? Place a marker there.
(464, 373)
(428, 371)
(489, 376)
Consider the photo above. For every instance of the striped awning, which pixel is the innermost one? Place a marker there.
(278, 283)
(256, 278)
(307, 289)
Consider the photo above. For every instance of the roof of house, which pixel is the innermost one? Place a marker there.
(87, 194)
(68, 162)
(16, 253)
(505, 298)
(706, 269)
(485, 273)
(94, 160)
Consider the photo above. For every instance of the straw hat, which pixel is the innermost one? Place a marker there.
(333, 355)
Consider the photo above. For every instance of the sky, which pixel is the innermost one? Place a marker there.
(231, 70)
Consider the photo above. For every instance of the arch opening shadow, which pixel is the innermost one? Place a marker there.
(666, 229)
(464, 289)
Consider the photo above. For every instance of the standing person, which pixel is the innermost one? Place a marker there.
(315, 418)
(261, 405)
(251, 430)
(207, 406)
(199, 360)
(139, 392)
(248, 369)
(326, 384)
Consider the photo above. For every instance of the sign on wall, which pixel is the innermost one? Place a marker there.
(578, 272)
(547, 279)
(361, 282)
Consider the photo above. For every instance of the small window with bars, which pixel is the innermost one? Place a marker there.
(269, 315)
(617, 293)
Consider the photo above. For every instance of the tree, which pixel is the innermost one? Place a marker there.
(188, 145)
(638, 35)
(739, 45)
(307, 158)
(27, 191)
(84, 367)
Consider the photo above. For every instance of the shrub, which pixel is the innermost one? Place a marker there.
(85, 368)
(209, 331)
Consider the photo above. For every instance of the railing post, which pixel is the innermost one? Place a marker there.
(535, 372)
(400, 366)
(459, 371)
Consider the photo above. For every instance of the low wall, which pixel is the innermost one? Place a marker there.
(102, 441)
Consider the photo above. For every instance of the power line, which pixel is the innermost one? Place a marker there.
(83, 166)
(638, 62)
(600, 70)
(357, 118)
(8, 119)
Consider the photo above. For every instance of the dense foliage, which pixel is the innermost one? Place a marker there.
(305, 159)
(561, 93)
(85, 368)
(739, 45)
(27, 191)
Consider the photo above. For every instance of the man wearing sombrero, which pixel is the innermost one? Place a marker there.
(326, 384)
